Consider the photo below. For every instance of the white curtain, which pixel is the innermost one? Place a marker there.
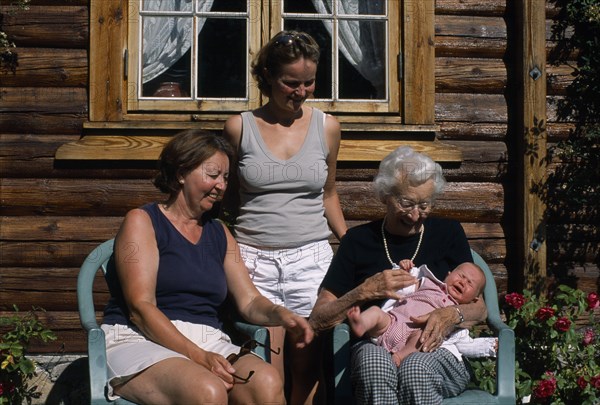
(359, 41)
(166, 39)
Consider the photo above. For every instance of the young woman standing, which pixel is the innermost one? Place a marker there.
(288, 204)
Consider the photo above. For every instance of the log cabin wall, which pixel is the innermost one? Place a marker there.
(54, 213)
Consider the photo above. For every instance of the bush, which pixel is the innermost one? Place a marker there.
(557, 363)
(16, 370)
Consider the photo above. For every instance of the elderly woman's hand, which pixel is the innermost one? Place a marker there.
(436, 326)
(385, 285)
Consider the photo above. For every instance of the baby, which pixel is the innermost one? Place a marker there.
(391, 323)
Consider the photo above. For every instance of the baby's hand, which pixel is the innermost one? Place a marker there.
(406, 264)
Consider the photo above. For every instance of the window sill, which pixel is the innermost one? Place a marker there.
(143, 141)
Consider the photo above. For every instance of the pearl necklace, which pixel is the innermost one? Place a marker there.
(385, 246)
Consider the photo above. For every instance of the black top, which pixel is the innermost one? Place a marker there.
(361, 253)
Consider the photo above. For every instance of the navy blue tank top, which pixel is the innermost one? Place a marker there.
(190, 284)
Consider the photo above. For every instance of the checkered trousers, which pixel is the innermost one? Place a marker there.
(422, 379)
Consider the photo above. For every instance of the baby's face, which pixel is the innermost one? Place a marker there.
(465, 282)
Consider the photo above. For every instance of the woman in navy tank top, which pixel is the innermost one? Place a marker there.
(172, 268)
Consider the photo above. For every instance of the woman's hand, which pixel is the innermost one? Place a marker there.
(436, 326)
(296, 326)
(385, 285)
(218, 365)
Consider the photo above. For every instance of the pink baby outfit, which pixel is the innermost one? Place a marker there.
(430, 295)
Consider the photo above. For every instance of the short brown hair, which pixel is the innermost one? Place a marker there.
(183, 153)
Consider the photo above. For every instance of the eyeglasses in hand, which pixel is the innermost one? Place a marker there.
(245, 349)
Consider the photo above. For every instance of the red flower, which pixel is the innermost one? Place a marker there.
(581, 382)
(545, 388)
(515, 300)
(562, 324)
(7, 387)
(593, 301)
(544, 313)
(595, 381)
(588, 337)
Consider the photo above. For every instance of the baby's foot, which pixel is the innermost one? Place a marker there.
(356, 322)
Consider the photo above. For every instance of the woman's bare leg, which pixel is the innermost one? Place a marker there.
(174, 381)
(264, 387)
(305, 372)
(277, 334)
(304, 366)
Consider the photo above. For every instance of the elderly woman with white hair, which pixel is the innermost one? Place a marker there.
(365, 271)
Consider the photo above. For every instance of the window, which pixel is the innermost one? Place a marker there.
(159, 66)
(189, 57)
(196, 54)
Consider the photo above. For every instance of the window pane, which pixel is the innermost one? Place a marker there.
(362, 59)
(167, 5)
(305, 6)
(222, 68)
(324, 71)
(356, 69)
(362, 7)
(229, 5)
(166, 43)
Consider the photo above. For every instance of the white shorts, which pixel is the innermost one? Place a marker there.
(289, 277)
(128, 352)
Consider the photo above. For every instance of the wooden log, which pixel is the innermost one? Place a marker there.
(475, 230)
(41, 123)
(75, 196)
(59, 2)
(43, 100)
(48, 26)
(461, 75)
(115, 198)
(559, 131)
(559, 78)
(491, 250)
(482, 151)
(468, 131)
(470, 26)
(471, 7)
(469, 47)
(472, 202)
(61, 228)
(474, 108)
(467, 171)
(39, 67)
(77, 228)
(42, 254)
(32, 156)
